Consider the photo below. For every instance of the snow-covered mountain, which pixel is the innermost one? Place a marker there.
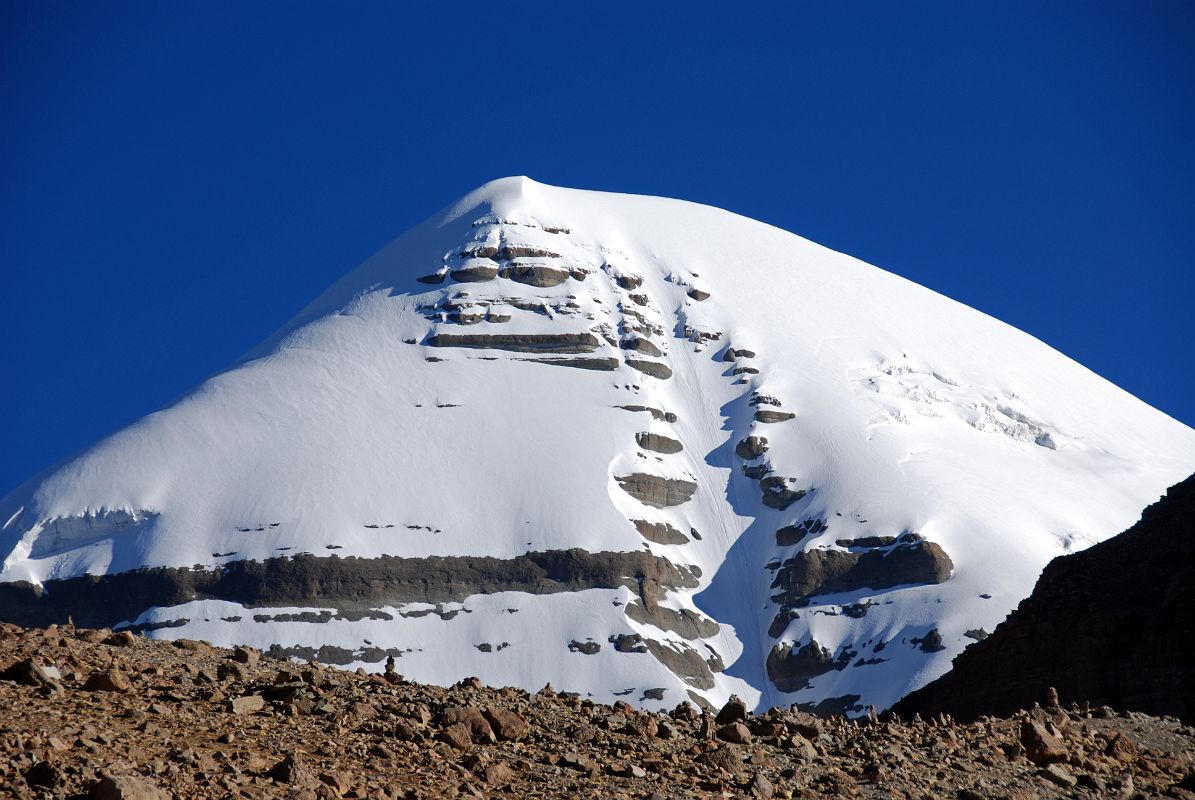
(632, 446)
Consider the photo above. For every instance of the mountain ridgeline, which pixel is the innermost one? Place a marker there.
(633, 447)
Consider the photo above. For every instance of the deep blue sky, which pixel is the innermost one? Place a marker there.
(178, 179)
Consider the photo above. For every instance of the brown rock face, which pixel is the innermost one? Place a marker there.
(751, 447)
(662, 416)
(641, 345)
(1113, 625)
(658, 443)
(685, 662)
(349, 583)
(828, 571)
(793, 534)
(655, 491)
(766, 415)
(519, 342)
(659, 532)
(777, 494)
(535, 275)
(790, 670)
(475, 273)
(652, 368)
(598, 364)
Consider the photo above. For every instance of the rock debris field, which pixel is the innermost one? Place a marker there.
(91, 713)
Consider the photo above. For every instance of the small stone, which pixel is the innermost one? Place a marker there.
(292, 771)
(1121, 748)
(498, 774)
(1057, 774)
(249, 704)
(122, 639)
(760, 787)
(232, 670)
(126, 787)
(802, 749)
(579, 762)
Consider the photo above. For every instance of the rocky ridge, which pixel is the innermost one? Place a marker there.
(92, 713)
(1114, 624)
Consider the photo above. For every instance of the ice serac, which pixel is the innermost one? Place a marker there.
(769, 470)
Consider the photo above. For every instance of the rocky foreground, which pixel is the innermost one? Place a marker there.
(91, 713)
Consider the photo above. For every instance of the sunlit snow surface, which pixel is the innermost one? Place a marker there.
(914, 413)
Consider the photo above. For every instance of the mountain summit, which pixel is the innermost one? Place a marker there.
(631, 446)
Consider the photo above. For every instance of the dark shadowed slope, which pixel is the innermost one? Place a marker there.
(1114, 625)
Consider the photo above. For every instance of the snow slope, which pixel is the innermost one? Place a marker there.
(363, 429)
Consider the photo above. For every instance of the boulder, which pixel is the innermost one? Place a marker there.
(126, 787)
(1041, 746)
(108, 680)
(735, 732)
(507, 725)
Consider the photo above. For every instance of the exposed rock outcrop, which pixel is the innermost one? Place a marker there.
(662, 416)
(751, 447)
(519, 342)
(777, 494)
(686, 623)
(1112, 625)
(348, 583)
(768, 416)
(474, 273)
(655, 491)
(685, 662)
(659, 532)
(658, 443)
(534, 274)
(652, 368)
(793, 534)
(814, 572)
(643, 345)
(597, 364)
(790, 670)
